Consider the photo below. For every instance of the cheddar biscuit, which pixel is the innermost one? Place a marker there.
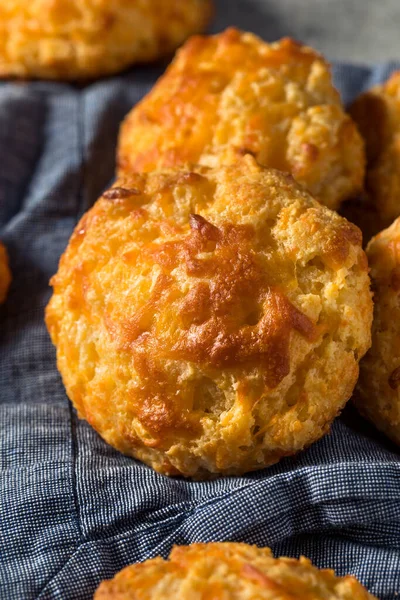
(377, 114)
(210, 321)
(232, 94)
(378, 389)
(230, 571)
(80, 39)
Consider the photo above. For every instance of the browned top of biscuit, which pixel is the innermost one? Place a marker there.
(210, 318)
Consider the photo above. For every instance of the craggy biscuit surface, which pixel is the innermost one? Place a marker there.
(232, 94)
(5, 275)
(55, 39)
(229, 571)
(210, 321)
(378, 389)
(377, 114)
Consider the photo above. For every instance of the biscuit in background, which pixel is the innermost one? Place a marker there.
(377, 114)
(5, 275)
(80, 39)
(362, 212)
(231, 571)
(211, 321)
(378, 390)
(232, 94)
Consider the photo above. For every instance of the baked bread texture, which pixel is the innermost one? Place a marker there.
(232, 94)
(377, 114)
(229, 571)
(211, 321)
(378, 389)
(80, 39)
(5, 275)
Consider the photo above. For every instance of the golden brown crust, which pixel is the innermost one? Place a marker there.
(378, 391)
(5, 275)
(377, 114)
(211, 320)
(54, 39)
(233, 94)
(228, 571)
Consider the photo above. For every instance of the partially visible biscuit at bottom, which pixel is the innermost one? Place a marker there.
(5, 275)
(210, 321)
(229, 571)
(378, 389)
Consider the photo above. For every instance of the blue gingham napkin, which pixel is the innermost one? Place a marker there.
(73, 510)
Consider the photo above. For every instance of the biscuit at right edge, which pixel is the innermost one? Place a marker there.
(5, 275)
(378, 390)
(377, 115)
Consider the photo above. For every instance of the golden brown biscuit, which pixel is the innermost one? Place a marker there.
(378, 390)
(54, 39)
(232, 94)
(377, 114)
(5, 275)
(229, 571)
(211, 321)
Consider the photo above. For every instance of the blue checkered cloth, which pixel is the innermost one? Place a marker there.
(74, 511)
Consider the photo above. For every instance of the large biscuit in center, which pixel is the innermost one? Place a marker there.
(231, 94)
(211, 321)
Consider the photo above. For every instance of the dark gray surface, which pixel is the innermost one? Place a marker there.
(348, 30)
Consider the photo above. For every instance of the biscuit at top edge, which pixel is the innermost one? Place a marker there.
(83, 39)
(210, 321)
(232, 571)
(232, 94)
